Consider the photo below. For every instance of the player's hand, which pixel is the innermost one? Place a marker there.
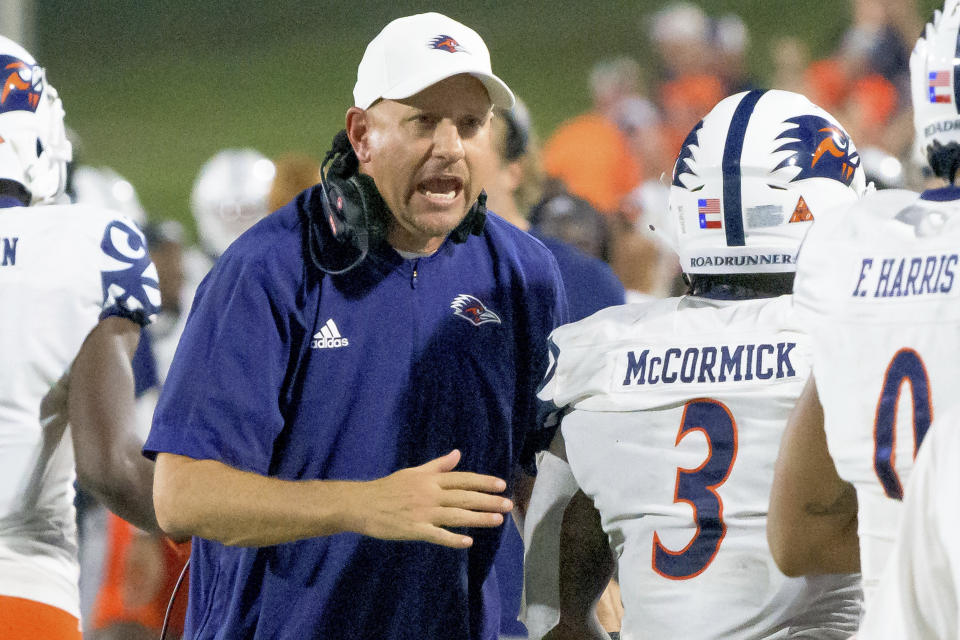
(418, 503)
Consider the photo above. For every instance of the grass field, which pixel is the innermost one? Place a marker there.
(155, 88)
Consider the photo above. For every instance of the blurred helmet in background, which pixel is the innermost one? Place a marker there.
(34, 150)
(104, 188)
(752, 176)
(883, 169)
(229, 196)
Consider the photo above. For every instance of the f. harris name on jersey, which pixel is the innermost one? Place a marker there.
(706, 364)
(906, 276)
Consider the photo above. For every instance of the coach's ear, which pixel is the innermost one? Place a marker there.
(359, 124)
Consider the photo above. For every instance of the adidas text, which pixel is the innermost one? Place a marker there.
(328, 343)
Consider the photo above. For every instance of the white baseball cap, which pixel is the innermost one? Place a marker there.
(415, 52)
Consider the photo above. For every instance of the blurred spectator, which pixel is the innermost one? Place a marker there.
(866, 81)
(574, 231)
(589, 153)
(648, 136)
(643, 260)
(880, 40)
(731, 39)
(790, 57)
(140, 575)
(681, 31)
(689, 87)
(868, 110)
(613, 80)
(826, 82)
(294, 172)
(572, 220)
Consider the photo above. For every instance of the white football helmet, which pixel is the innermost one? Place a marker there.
(34, 150)
(230, 195)
(104, 188)
(750, 178)
(935, 85)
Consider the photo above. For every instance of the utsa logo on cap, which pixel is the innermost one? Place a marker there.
(446, 43)
(820, 150)
(472, 310)
(22, 85)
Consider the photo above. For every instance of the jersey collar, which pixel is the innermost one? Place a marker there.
(7, 202)
(943, 194)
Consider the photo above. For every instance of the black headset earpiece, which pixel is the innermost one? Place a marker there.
(338, 211)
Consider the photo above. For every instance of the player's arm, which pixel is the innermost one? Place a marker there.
(812, 522)
(100, 405)
(586, 567)
(212, 500)
(522, 490)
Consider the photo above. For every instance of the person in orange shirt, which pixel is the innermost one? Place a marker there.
(140, 574)
(589, 153)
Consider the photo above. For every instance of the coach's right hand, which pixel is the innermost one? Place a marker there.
(419, 502)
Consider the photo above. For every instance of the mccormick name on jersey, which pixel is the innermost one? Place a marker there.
(699, 364)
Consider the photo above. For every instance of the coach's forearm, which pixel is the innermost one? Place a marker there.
(211, 500)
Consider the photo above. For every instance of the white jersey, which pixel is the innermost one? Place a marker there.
(877, 289)
(62, 269)
(673, 413)
(918, 596)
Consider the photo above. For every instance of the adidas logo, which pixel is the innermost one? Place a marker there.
(328, 337)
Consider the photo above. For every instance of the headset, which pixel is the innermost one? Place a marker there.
(346, 214)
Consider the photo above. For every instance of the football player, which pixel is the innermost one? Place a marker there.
(877, 288)
(918, 596)
(76, 285)
(671, 411)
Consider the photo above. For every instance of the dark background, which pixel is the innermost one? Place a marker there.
(155, 87)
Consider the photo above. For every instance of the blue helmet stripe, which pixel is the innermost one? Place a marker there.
(732, 203)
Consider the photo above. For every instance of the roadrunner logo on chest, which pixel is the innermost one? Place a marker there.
(329, 337)
(472, 310)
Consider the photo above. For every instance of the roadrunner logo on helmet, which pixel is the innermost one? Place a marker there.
(34, 149)
(935, 85)
(752, 176)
